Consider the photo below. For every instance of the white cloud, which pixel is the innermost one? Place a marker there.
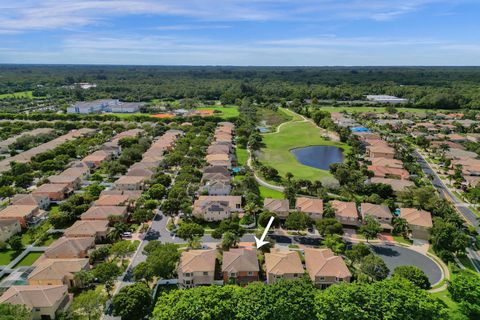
(327, 50)
(26, 15)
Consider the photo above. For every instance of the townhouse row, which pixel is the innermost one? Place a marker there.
(241, 266)
(53, 275)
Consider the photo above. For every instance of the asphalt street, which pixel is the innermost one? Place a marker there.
(395, 256)
(444, 192)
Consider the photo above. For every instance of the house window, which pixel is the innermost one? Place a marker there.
(322, 278)
(187, 274)
(187, 282)
(233, 274)
(205, 273)
(295, 275)
(250, 273)
(337, 279)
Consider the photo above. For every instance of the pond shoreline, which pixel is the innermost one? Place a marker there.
(318, 156)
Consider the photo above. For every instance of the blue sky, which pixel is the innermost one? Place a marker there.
(241, 32)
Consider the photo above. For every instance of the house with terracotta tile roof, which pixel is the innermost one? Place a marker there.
(130, 183)
(42, 301)
(280, 207)
(43, 202)
(222, 160)
(66, 248)
(105, 213)
(72, 182)
(196, 268)
(325, 268)
(54, 191)
(82, 172)
(282, 264)
(218, 149)
(57, 272)
(240, 266)
(140, 172)
(397, 185)
(88, 228)
(385, 162)
(419, 222)
(116, 199)
(311, 206)
(389, 172)
(95, 159)
(378, 211)
(26, 215)
(381, 151)
(346, 213)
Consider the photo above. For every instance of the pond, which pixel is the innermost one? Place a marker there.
(320, 157)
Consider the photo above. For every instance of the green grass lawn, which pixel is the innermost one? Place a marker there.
(29, 259)
(7, 256)
(127, 116)
(401, 239)
(23, 94)
(269, 193)
(228, 112)
(242, 156)
(294, 135)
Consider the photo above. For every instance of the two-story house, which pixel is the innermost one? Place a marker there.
(196, 268)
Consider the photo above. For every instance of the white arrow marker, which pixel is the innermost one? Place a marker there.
(261, 242)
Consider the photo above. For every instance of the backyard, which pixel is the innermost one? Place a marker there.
(7, 256)
(242, 156)
(29, 259)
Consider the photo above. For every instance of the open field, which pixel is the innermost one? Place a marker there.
(376, 109)
(23, 94)
(226, 112)
(29, 259)
(295, 135)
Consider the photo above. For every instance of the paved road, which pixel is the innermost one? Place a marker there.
(445, 192)
(395, 256)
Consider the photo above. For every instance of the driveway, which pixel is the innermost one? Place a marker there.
(395, 256)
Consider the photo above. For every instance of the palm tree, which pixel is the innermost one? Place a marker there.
(116, 232)
(289, 176)
(400, 226)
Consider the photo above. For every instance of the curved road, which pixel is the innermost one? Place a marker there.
(395, 256)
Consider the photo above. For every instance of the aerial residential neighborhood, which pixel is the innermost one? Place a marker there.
(239, 160)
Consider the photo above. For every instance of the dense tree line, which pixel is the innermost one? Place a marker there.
(389, 299)
(430, 87)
